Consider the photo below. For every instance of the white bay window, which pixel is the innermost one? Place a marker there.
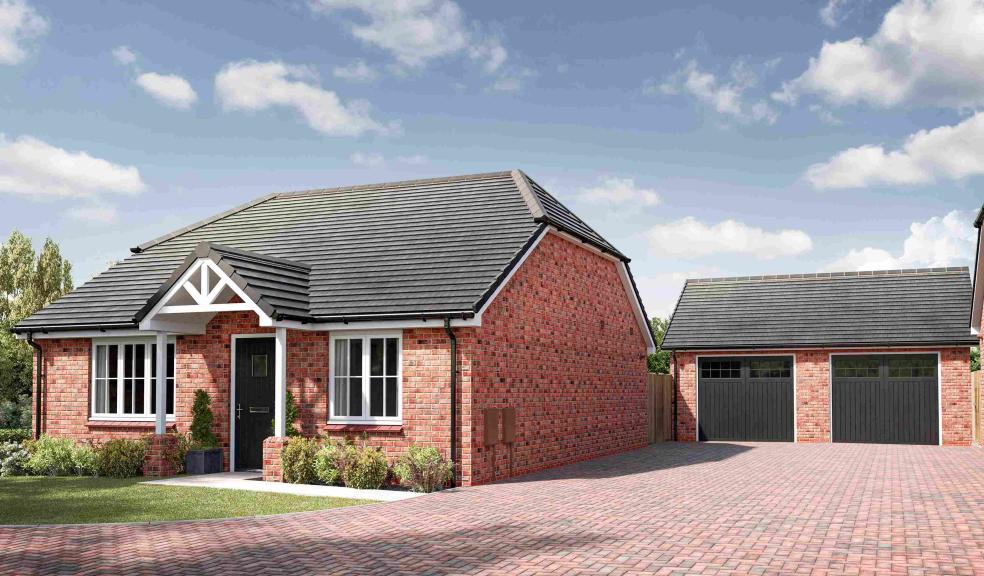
(124, 382)
(365, 379)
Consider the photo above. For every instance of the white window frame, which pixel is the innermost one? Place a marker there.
(149, 409)
(365, 418)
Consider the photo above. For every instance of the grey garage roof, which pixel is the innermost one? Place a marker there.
(406, 249)
(885, 308)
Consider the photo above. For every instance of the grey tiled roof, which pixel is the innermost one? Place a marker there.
(404, 249)
(890, 308)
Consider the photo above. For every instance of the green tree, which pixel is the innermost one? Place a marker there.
(975, 359)
(28, 282)
(202, 435)
(660, 361)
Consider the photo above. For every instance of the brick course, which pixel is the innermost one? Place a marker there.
(813, 392)
(560, 343)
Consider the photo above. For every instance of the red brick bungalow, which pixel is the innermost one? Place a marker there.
(880, 357)
(387, 310)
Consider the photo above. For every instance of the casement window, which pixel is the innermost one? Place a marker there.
(124, 379)
(365, 382)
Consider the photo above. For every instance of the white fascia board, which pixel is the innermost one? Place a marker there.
(978, 302)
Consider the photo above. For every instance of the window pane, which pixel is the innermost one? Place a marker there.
(112, 361)
(857, 366)
(392, 349)
(100, 361)
(153, 360)
(170, 362)
(138, 396)
(100, 396)
(724, 369)
(341, 358)
(170, 397)
(355, 357)
(128, 360)
(341, 396)
(376, 396)
(259, 365)
(376, 356)
(911, 366)
(391, 397)
(138, 361)
(355, 395)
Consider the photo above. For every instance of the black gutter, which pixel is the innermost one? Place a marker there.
(727, 347)
(676, 384)
(464, 315)
(39, 355)
(71, 327)
(454, 399)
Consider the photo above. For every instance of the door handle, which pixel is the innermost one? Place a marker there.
(239, 411)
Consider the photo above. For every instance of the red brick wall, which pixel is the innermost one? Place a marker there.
(813, 392)
(560, 344)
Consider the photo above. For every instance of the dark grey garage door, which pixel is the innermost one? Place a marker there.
(745, 398)
(886, 399)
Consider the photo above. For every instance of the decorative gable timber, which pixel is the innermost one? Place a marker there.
(216, 278)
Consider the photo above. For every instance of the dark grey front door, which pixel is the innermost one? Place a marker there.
(885, 399)
(254, 399)
(745, 398)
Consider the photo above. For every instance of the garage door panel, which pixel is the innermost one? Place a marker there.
(899, 404)
(745, 408)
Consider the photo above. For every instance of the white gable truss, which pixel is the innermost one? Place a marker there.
(201, 292)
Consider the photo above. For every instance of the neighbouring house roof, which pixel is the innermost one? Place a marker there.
(405, 249)
(884, 308)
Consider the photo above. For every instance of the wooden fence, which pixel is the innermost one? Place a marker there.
(659, 403)
(977, 398)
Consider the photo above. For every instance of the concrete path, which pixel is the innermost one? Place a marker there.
(668, 509)
(253, 481)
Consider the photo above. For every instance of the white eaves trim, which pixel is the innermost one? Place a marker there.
(977, 307)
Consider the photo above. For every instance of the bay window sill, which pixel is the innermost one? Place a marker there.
(393, 427)
(124, 423)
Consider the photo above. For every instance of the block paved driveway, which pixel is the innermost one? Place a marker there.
(666, 509)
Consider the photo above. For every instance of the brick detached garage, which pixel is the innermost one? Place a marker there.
(354, 299)
(879, 357)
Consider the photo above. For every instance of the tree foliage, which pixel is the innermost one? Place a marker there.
(28, 282)
(660, 361)
(202, 435)
(975, 359)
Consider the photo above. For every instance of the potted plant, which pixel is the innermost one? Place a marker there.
(204, 455)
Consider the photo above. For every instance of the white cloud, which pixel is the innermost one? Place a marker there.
(834, 12)
(924, 52)
(413, 160)
(691, 238)
(615, 191)
(19, 23)
(124, 55)
(357, 71)
(249, 85)
(367, 159)
(952, 152)
(33, 168)
(945, 241)
(168, 89)
(724, 97)
(513, 80)
(416, 32)
(94, 214)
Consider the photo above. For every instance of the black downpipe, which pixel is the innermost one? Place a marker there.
(676, 384)
(39, 354)
(454, 400)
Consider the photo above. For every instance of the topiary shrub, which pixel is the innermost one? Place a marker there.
(122, 458)
(365, 467)
(13, 459)
(423, 469)
(297, 460)
(202, 435)
(329, 463)
(52, 456)
(14, 434)
(292, 414)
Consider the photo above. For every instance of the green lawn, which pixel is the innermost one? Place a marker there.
(32, 500)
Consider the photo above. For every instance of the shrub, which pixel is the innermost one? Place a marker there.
(121, 458)
(13, 459)
(16, 413)
(291, 410)
(52, 457)
(85, 460)
(14, 434)
(202, 435)
(329, 462)
(175, 453)
(364, 467)
(297, 460)
(423, 469)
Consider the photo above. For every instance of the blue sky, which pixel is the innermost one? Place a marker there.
(703, 139)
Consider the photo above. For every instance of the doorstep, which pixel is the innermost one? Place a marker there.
(253, 481)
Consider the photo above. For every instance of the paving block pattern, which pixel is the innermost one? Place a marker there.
(675, 508)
